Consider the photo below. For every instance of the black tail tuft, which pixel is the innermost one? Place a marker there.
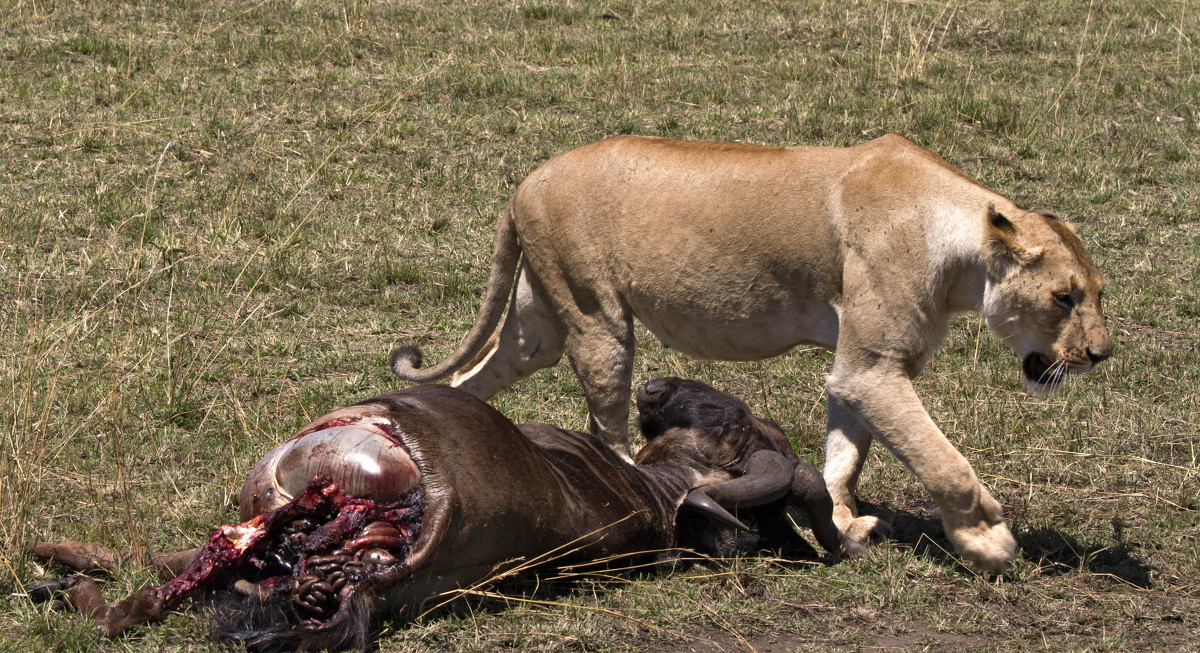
(407, 354)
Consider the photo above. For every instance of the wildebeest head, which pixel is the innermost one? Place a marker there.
(749, 464)
(706, 427)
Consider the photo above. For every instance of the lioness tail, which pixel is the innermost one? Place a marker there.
(407, 359)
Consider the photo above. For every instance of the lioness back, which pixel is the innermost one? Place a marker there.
(661, 224)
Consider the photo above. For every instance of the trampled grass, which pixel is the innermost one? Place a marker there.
(217, 219)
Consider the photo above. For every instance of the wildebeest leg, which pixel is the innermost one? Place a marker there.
(88, 556)
(531, 338)
(809, 492)
(845, 451)
(142, 607)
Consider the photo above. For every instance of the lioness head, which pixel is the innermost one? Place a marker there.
(1043, 297)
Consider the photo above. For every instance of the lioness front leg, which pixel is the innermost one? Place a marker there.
(845, 451)
(884, 400)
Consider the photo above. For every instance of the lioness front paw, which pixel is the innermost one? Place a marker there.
(868, 528)
(987, 547)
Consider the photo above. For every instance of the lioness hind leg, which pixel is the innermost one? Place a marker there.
(845, 451)
(531, 338)
(602, 355)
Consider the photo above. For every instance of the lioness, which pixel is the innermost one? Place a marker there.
(740, 252)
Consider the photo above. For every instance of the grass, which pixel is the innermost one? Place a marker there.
(217, 219)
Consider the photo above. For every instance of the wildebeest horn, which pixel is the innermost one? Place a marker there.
(768, 477)
(809, 492)
(699, 501)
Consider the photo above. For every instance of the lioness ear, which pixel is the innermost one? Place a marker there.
(1045, 212)
(1000, 224)
(1002, 244)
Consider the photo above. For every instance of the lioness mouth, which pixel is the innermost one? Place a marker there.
(1041, 370)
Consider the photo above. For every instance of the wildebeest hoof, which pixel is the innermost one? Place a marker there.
(851, 549)
(50, 589)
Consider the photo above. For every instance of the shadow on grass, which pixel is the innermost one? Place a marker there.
(1053, 551)
(562, 585)
(1059, 553)
(443, 619)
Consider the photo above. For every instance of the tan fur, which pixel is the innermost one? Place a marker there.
(738, 252)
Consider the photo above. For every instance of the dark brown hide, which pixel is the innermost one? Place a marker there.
(490, 496)
(496, 492)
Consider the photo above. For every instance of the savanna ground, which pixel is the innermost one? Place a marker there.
(218, 218)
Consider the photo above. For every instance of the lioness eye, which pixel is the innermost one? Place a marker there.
(1064, 299)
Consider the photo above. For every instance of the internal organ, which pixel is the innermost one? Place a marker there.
(315, 549)
(361, 455)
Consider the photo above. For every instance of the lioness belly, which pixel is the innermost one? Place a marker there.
(738, 335)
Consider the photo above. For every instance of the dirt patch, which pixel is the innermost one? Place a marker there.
(922, 637)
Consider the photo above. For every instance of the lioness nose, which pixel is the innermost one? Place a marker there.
(1101, 355)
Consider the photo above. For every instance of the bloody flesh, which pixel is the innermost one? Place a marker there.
(342, 540)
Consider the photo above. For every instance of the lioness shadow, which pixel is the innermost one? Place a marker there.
(1058, 553)
(1053, 551)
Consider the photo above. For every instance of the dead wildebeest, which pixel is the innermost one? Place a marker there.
(375, 508)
